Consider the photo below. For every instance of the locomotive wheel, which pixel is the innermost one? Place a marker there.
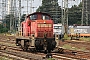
(45, 51)
(24, 46)
(18, 43)
(24, 49)
(48, 55)
(33, 50)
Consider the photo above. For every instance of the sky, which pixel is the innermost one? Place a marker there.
(37, 3)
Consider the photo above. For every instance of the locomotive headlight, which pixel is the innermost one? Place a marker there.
(33, 36)
(44, 21)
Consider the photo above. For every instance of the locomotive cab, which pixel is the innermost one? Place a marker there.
(37, 32)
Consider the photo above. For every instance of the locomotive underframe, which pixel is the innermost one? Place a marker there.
(36, 44)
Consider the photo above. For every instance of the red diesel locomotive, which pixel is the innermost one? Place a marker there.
(37, 33)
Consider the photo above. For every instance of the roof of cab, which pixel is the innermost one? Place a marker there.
(39, 13)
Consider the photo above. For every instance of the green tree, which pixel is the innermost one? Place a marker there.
(23, 17)
(10, 21)
(75, 14)
(51, 7)
(7, 21)
(3, 29)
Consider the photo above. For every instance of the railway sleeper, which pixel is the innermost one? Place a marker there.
(60, 50)
(3, 47)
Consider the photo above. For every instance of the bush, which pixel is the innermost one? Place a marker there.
(3, 30)
(65, 36)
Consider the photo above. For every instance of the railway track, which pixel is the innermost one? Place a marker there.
(68, 57)
(8, 55)
(17, 53)
(14, 52)
(76, 45)
(77, 42)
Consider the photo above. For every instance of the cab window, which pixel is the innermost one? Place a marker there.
(33, 17)
(45, 17)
